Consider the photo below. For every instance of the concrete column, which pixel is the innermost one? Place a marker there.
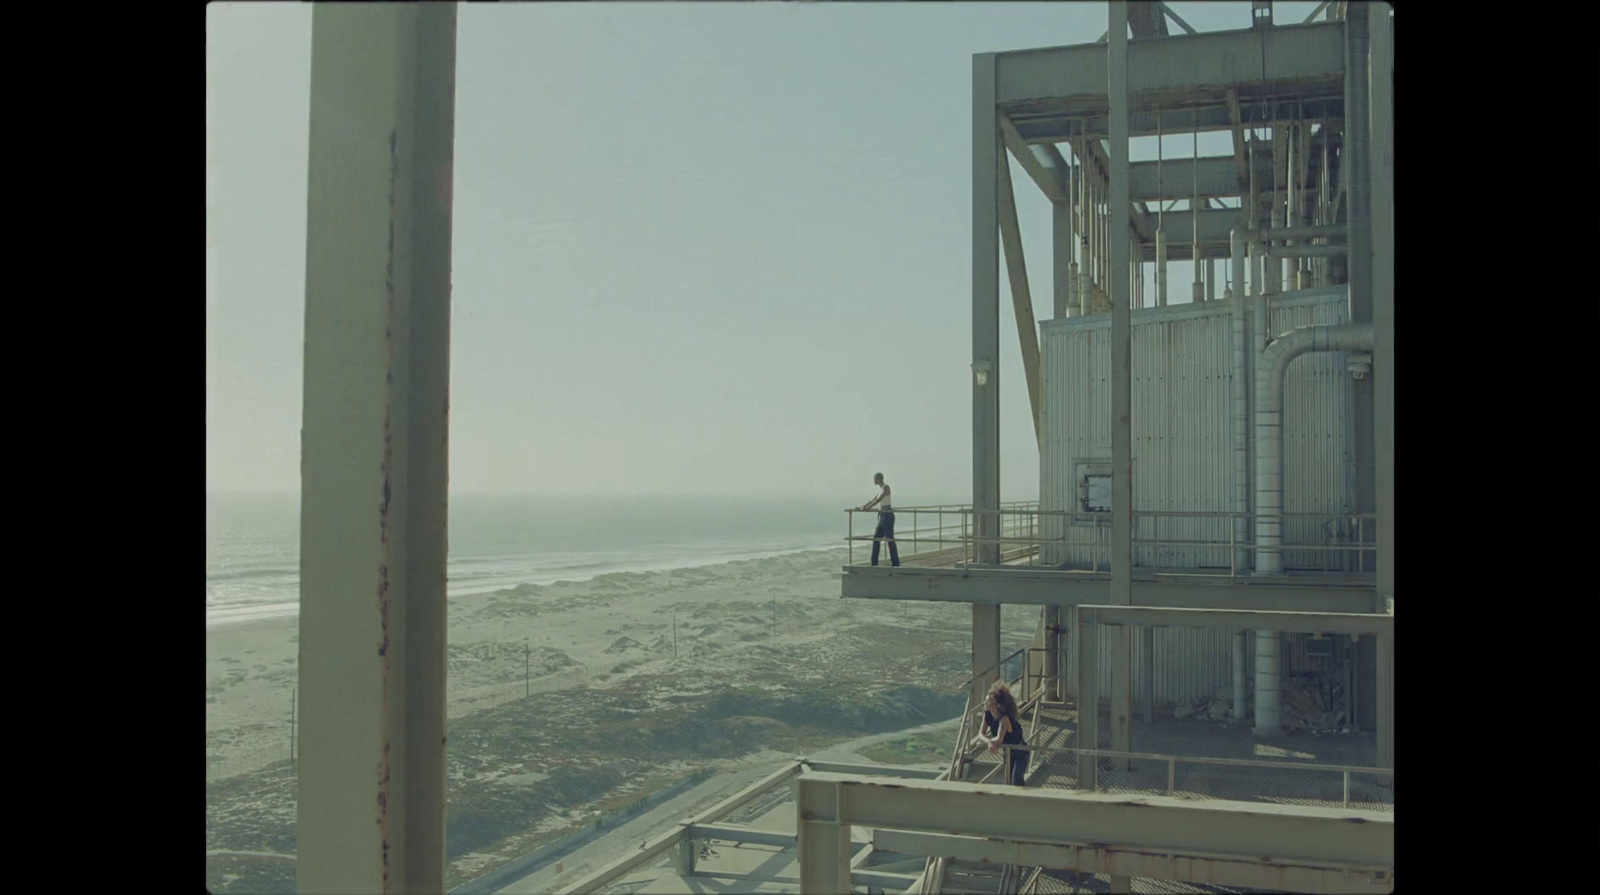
(1211, 279)
(374, 440)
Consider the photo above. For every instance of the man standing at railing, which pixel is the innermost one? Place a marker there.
(885, 530)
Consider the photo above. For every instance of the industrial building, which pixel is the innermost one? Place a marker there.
(1212, 553)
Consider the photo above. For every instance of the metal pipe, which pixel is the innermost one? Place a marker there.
(1086, 261)
(1072, 308)
(1269, 684)
(1161, 268)
(1194, 225)
(1308, 250)
(1240, 407)
(1161, 231)
(1239, 672)
(1270, 372)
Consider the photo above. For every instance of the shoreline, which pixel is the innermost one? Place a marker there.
(231, 616)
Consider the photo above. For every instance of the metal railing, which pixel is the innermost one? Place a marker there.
(1208, 542)
(1109, 778)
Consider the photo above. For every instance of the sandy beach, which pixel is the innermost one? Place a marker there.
(766, 659)
(595, 633)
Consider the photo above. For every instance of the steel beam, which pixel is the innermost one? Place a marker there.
(1024, 586)
(741, 834)
(1021, 295)
(1217, 179)
(371, 750)
(1368, 623)
(666, 843)
(1250, 831)
(1051, 182)
(1054, 121)
(1195, 870)
(823, 832)
(1298, 58)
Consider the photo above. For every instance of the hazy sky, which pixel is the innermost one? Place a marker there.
(699, 248)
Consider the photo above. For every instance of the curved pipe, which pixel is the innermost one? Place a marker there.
(1270, 371)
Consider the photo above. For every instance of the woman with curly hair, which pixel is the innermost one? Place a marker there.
(1002, 726)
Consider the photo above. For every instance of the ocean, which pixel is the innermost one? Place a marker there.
(252, 541)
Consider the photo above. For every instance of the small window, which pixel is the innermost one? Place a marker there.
(1097, 494)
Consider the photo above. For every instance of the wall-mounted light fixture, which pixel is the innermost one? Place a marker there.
(981, 369)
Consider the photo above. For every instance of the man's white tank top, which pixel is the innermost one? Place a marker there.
(883, 505)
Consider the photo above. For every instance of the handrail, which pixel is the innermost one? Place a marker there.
(1022, 536)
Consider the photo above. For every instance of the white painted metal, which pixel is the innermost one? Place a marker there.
(1184, 450)
(374, 437)
(1239, 673)
(1269, 683)
(1238, 407)
(1269, 416)
(988, 166)
(1250, 831)
(1309, 54)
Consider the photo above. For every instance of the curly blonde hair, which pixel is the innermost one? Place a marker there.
(1007, 702)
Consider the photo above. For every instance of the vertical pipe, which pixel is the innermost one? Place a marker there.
(1239, 672)
(374, 449)
(1194, 222)
(1121, 376)
(1073, 222)
(1085, 256)
(1239, 415)
(1060, 259)
(1161, 226)
(1269, 685)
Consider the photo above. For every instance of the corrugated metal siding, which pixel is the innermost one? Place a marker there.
(1189, 663)
(1315, 394)
(1182, 454)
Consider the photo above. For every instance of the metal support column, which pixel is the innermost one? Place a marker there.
(822, 840)
(1086, 645)
(1121, 378)
(1381, 86)
(988, 166)
(374, 438)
